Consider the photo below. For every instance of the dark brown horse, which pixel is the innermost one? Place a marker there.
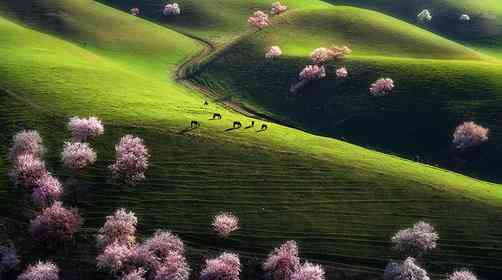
(237, 124)
(217, 116)
(195, 124)
(264, 127)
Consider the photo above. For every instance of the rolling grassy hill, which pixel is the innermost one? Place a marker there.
(439, 83)
(484, 31)
(340, 201)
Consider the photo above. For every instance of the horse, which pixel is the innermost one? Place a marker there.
(206, 103)
(237, 124)
(264, 127)
(252, 123)
(195, 124)
(217, 116)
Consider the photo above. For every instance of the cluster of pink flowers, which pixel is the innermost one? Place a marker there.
(171, 9)
(48, 190)
(30, 171)
(55, 223)
(225, 223)
(382, 87)
(313, 72)
(162, 243)
(259, 20)
(424, 16)
(40, 271)
(470, 134)
(462, 275)
(406, 270)
(322, 55)
(131, 160)
(417, 240)
(134, 11)
(283, 262)
(273, 52)
(83, 129)
(225, 267)
(278, 8)
(8, 258)
(119, 227)
(114, 257)
(27, 169)
(159, 257)
(342, 72)
(174, 267)
(309, 271)
(77, 156)
(26, 142)
(137, 274)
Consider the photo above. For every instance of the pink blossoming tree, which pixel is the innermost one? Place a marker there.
(309, 271)
(119, 228)
(162, 244)
(416, 241)
(322, 55)
(48, 190)
(26, 142)
(382, 87)
(134, 11)
(137, 274)
(406, 270)
(225, 223)
(55, 223)
(273, 52)
(27, 170)
(171, 9)
(342, 72)
(278, 8)
(283, 262)
(462, 275)
(114, 258)
(309, 73)
(40, 271)
(225, 267)
(131, 160)
(173, 267)
(259, 20)
(84, 129)
(76, 156)
(469, 134)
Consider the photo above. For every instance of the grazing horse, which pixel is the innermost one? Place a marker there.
(195, 124)
(205, 103)
(264, 127)
(237, 124)
(252, 123)
(217, 116)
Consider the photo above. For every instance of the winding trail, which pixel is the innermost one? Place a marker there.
(189, 68)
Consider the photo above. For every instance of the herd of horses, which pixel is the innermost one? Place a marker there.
(236, 125)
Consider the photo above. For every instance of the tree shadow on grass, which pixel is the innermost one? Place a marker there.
(232, 128)
(188, 129)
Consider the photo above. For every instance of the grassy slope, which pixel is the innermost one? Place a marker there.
(484, 31)
(359, 196)
(439, 84)
(218, 21)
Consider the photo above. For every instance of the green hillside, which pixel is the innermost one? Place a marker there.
(439, 85)
(341, 202)
(483, 31)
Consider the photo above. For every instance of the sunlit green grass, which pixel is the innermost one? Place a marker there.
(439, 84)
(342, 202)
(482, 32)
